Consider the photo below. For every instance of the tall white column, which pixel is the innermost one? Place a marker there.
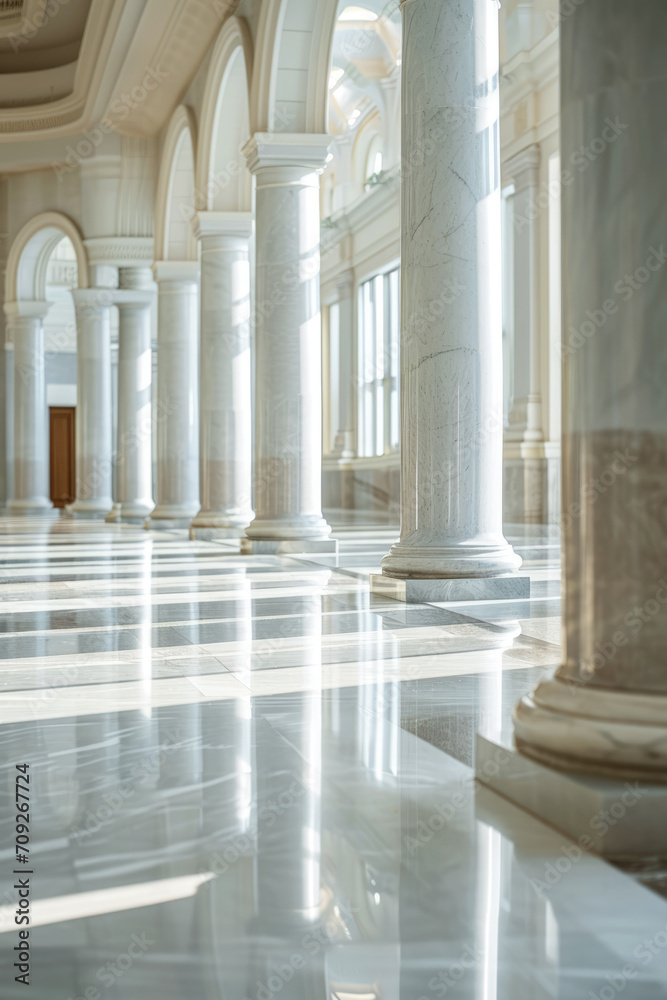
(344, 442)
(288, 388)
(452, 545)
(134, 428)
(605, 710)
(31, 442)
(93, 403)
(177, 382)
(225, 384)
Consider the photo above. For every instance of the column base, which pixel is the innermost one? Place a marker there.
(424, 591)
(468, 560)
(32, 505)
(620, 819)
(207, 526)
(288, 546)
(585, 728)
(90, 508)
(130, 511)
(167, 516)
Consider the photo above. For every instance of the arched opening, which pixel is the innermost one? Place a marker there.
(223, 182)
(175, 201)
(60, 369)
(46, 262)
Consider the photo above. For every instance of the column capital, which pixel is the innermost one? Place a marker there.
(176, 270)
(524, 166)
(132, 298)
(280, 149)
(120, 251)
(26, 309)
(238, 224)
(93, 299)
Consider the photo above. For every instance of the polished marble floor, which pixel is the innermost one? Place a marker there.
(250, 778)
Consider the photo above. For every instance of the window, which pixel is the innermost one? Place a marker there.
(374, 162)
(378, 364)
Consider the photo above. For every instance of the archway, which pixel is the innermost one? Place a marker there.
(46, 262)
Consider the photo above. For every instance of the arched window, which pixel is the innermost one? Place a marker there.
(374, 161)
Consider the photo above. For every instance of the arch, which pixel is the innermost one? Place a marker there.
(173, 230)
(290, 80)
(219, 158)
(25, 278)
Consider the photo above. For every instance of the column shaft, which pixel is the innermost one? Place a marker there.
(606, 707)
(31, 443)
(135, 419)
(288, 392)
(225, 401)
(93, 403)
(451, 338)
(176, 413)
(344, 444)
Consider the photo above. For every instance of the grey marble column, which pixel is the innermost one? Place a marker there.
(93, 403)
(31, 442)
(451, 545)
(225, 395)
(605, 710)
(288, 388)
(133, 501)
(177, 382)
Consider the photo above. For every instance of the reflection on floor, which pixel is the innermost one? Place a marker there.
(252, 779)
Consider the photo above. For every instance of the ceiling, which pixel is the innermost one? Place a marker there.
(39, 38)
(63, 63)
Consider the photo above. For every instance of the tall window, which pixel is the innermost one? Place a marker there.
(378, 364)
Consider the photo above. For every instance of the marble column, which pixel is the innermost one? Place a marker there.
(605, 709)
(344, 441)
(524, 168)
(93, 403)
(451, 545)
(288, 388)
(177, 382)
(225, 395)
(134, 298)
(31, 441)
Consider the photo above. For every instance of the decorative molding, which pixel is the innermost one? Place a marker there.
(176, 270)
(280, 149)
(527, 72)
(26, 309)
(180, 48)
(524, 167)
(222, 224)
(120, 251)
(74, 112)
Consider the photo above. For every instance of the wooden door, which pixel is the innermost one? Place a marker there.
(61, 438)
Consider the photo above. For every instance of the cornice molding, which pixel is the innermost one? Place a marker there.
(530, 71)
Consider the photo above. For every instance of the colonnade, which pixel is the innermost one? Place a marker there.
(603, 711)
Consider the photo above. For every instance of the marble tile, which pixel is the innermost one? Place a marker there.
(297, 794)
